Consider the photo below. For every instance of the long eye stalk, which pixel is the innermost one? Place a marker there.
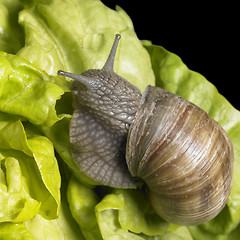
(110, 61)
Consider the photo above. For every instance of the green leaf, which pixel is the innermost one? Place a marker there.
(126, 214)
(27, 91)
(11, 231)
(62, 228)
(47, 165)
(108, 221)
(11, 34)
(13, 134)
(234, 235)
(138, 216)
(16, 204)
(181, 233)
(39, 228)
(33, 182)
(42, 49)
(77, 35)
(82, 201)
(29, 174)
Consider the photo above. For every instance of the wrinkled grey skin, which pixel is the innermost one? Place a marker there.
(105, 105)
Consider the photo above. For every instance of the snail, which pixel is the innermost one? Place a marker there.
(118, 135)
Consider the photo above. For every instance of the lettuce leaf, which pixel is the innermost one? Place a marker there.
(77, 35)
(30, 179)
(47, 166)
(64, 227)
(11, 33)
(82, 201)
(16, 203)
(12, 231)
(39, 228)
(27, 91)
(138, 216)
(122, 216)
(10, 124)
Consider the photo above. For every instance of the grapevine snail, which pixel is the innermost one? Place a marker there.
(118, 135)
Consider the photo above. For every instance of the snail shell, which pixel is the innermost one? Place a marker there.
(118, 135)
(183, 155)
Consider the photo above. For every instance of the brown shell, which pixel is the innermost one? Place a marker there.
(183, 155)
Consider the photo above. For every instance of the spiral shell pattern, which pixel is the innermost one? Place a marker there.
(183, 155)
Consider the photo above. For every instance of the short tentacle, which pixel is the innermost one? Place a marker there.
(87, 81)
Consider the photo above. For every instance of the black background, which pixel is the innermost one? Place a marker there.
(204, 36)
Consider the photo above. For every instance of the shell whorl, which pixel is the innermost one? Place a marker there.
(185, 158)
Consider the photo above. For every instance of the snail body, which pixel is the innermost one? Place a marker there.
(119, 135)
